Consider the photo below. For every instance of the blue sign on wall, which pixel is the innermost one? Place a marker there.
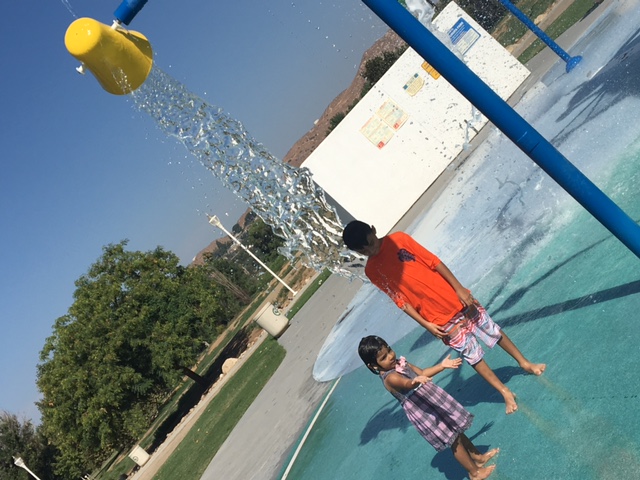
(463, 35)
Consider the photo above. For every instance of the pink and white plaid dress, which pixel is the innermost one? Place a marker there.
(436, 415)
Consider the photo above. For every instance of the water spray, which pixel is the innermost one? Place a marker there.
(283, 196)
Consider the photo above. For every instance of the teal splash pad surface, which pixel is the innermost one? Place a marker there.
(573, 307)
(564, 289)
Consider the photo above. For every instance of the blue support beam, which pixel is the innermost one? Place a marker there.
(530, 141)
(571, 62)
(128, 9)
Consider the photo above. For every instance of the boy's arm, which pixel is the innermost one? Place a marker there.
(463, 293)
(432, 328)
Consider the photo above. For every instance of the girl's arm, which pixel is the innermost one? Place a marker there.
(431, 371)
(400, 383)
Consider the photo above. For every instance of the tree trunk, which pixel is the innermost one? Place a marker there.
(238, 292)
(193, 376)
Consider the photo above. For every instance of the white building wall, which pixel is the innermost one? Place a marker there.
(409, 127)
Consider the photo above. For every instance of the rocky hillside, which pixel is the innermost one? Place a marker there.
(216, 244)
(308, 143)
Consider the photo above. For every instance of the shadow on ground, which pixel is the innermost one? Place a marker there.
(238, 344)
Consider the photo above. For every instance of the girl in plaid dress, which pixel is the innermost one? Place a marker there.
(437, 416)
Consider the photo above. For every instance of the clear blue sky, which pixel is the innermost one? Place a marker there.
(82, 168)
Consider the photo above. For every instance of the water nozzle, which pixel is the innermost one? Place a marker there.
(128, 9)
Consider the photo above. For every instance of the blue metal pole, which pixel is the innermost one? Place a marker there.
(128, 9)
(571, 62)
(530, 141)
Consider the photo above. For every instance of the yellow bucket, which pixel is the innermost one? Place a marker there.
(119, 59)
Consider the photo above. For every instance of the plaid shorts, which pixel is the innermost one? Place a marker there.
(466, 327)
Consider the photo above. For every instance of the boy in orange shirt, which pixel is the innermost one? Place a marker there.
(426, 290)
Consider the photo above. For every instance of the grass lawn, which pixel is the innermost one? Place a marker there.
(195, 452)
(573, 14)
(114, 468)
(510, 30)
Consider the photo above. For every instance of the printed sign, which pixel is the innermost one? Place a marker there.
(463, 35)
(377, 131)
(430, 70)
(392, 114)
(413, 85)
(380, 128)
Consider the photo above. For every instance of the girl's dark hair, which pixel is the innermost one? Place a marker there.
(369, 348)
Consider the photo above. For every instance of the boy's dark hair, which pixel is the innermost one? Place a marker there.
(355, 234)
(369, 348)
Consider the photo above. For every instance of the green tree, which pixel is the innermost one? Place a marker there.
(487, 13)
(335, 121)
(263, 242)
(138, 320)
(236, 279)
(375, 68)
(19, 438)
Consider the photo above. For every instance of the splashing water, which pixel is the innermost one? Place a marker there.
(421, 9)
(285, 197)
(424, 11)
(67, 4)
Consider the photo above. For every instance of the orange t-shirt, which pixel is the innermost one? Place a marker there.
(406, 271)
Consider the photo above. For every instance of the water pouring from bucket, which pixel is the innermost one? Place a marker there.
(283, 196)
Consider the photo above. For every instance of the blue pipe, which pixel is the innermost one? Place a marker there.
(128, 9)
(571, 62)
(530, 141)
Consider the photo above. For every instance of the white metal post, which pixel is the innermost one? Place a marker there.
(20, 463)
(215, 221)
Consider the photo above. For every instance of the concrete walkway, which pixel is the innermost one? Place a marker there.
(260, 443)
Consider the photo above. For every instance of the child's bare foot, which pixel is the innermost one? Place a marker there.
(510, 401)
(481, 460)
(483, 473)
(534, 368)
